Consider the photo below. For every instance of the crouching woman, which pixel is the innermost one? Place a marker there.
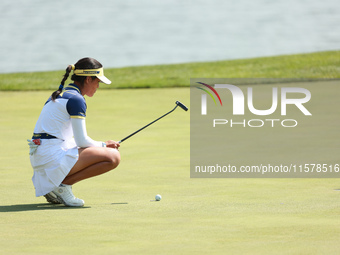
(61, 152)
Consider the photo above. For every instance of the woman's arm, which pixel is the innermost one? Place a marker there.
(80, 134)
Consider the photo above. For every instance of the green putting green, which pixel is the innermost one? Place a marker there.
(195, 216)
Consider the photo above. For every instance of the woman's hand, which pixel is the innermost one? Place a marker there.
(112, 144)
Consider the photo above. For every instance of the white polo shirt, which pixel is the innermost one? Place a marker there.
(55, 117)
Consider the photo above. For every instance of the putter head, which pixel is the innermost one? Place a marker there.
(182, 105)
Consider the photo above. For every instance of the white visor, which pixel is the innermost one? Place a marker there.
(99, 73)
(104, 79)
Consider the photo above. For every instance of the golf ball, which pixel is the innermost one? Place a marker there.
(158, 197)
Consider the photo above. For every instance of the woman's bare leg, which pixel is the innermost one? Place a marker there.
(92, 161)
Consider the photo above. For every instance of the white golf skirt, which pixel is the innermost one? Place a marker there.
(51, 162)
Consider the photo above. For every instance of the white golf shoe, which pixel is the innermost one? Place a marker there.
(66, 197)
(52, 198)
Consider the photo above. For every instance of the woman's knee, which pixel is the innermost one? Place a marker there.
(113, 157)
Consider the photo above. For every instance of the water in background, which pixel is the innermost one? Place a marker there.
(40, 35)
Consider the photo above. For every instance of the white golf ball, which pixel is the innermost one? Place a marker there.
(158, 197)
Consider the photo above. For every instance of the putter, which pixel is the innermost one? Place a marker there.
(177, 104)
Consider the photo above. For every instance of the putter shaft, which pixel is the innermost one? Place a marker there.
(147, 125)
(177, 104)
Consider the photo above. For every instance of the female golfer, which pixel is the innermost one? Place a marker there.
(61, 152)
